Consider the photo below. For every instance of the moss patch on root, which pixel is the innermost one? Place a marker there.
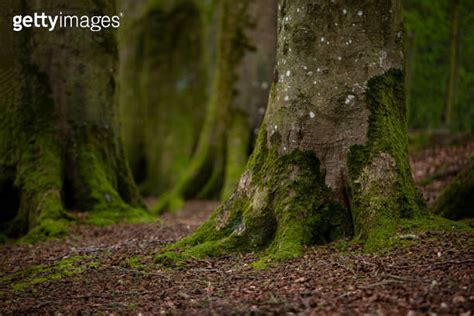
(47, 229)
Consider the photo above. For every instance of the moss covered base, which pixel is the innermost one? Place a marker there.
(280, 205)
(283, 202)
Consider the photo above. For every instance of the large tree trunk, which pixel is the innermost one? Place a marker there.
(59, 144)
(331, 158)
(163, 76)
(240, 84)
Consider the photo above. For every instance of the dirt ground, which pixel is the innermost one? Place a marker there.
(110, 270)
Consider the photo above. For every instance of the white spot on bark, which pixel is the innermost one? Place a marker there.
(383, 56)
(288, 73)
(322, 39)
(287, 98)
(310, 73)
(339, 58)
(360, 13)
(344, 11)
(311, 115)
(349, 98)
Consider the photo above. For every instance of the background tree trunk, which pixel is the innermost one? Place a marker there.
(164, 66)
(454, 63)
(456, 201)
(59, 144)
(331, 159)
(240, 84)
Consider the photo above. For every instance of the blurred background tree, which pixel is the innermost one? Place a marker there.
(176, 136)
(165, 61)
(440, 68)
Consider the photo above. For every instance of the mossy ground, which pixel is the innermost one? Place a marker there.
(389, 237)
(394, 234)
(38, 274)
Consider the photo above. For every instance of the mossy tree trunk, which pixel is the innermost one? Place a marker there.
(164, 65)
(456, 201)
(331, 159)
(59, 143)
(243, 65)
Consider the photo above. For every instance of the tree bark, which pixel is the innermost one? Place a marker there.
(59, 144)
(331, 159)
(222, 149)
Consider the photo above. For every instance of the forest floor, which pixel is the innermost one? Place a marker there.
(110, 270)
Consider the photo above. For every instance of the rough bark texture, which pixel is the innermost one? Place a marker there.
(457, 200)
(59, 144)
(164, 65)
(331, 160)
(222, 149)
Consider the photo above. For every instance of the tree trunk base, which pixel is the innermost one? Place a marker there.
(280, 205)
(283, 203)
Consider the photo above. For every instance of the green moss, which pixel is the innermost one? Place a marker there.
(135, 263)
(38, 274)
(382, 187)
(171, 259)
(47, 229)
(112, 216)
(389, 236)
